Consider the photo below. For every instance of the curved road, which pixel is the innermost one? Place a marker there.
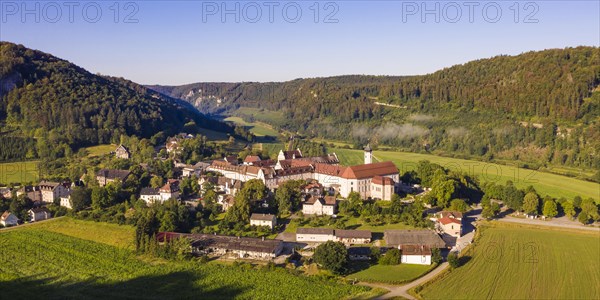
(402, 290)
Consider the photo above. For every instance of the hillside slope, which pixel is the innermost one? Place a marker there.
(537, 107)
(45, 96)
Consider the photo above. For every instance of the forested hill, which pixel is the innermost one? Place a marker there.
(45, 97)
(537, 106)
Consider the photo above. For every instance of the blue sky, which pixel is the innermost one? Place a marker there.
(178, 42)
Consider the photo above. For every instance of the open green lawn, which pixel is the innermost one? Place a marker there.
(545, 183)
(19, 172)
(515, 262)
(56, 260)
(213, 135)
(105, 233)
(262, 115)
(389, 274)
(257, 128)
(100, 150)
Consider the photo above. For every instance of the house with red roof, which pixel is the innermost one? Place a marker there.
(449, 222)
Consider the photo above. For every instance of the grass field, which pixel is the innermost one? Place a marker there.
(57, 260)
(257, 128)
(105, 233)
(390, 274)
(100, 150)
(213, 135)
(545, 183)
(262, 115)
(512, 262)
(19, 172)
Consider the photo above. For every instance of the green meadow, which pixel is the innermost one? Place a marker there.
(257, 128)
(19, 172)
(545, 183)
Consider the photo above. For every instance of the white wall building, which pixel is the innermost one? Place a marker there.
(314, 235)
(263, 220)
(320, 206)
(415, 254)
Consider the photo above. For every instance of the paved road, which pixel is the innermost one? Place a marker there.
(557, 222)
(402, 291)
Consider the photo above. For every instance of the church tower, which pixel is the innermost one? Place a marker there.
(368, 154)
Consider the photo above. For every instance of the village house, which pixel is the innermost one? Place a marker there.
(314, 235)
(449, 214)
(122, 152)
(194, 170)
(314, 188)
(226, 201)
(268, 220)
(8, 219)
(173, 145)
(415, 254)
(5, 192)
(65, 200)
(399, 238)
(352, 237)
(51, 191)
(39, 214)
(106, 176)
(449, 222)
(250, 160)
(150, 195)
(229, 186)
(32, 192)
(320, 206)
(450, 226)
(169, 190)
(231, 159)
(220, 245)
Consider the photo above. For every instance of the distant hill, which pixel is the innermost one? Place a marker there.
(540, 107)
(45, 96)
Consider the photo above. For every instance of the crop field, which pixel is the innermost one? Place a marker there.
(390, 274)
(516, 262)
(19, 172)
(545, 183)
(57, 261)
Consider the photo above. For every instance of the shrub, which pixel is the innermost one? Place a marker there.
(453, 260)
(332, 256)
(391, 257)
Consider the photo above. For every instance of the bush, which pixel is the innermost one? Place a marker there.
(391, 257)
(453, 260)
(436, 256)
(332, 256)
(583, 218)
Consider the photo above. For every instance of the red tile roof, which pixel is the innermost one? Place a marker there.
(382, 180)
(451, 214)
(326, 169)
(446, 220)
(370, 170)
(251, 158)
